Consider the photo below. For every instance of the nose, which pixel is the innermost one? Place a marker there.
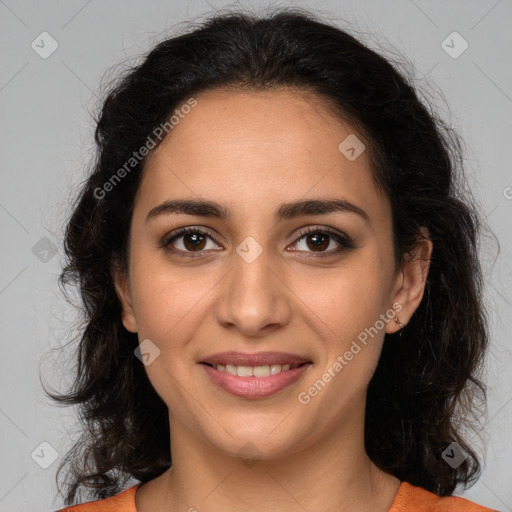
(253, 297)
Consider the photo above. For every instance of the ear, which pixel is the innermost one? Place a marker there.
(410, 282)
(122, 285)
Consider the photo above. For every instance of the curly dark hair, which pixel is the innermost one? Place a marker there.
(428, 383)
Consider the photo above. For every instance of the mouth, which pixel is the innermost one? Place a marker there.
(256, 375)
(255, 371)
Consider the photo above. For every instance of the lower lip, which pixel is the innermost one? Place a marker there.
(255, 387)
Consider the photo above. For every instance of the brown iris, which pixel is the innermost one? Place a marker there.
(316, 245)
(197, 242)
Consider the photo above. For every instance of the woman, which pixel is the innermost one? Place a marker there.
(279, 268)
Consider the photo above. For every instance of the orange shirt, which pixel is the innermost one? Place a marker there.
(409, 498)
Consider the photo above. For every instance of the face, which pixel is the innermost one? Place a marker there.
(270, 283)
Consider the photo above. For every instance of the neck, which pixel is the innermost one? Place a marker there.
(331, 474)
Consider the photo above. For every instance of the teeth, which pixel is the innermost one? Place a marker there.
(261, 371)
(231, 369)
(253, 371)
(244, 371)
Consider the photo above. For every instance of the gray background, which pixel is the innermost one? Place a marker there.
(46, 143)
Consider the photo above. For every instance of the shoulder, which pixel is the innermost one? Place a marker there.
(411, 497)
(122, 502)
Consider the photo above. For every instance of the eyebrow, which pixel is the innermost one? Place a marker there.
(208, 208)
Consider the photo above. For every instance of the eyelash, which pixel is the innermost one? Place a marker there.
(345, 241)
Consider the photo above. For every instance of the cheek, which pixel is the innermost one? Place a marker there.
(350, 325)
(344, 301)
(166, 299)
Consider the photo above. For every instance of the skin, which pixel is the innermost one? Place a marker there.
(253, 151)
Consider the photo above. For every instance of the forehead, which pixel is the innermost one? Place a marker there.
(251, 149)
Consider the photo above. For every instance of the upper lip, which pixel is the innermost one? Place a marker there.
(254, 358)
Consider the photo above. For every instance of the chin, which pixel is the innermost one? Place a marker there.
(258, 441)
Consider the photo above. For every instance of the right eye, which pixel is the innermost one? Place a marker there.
(193, 241)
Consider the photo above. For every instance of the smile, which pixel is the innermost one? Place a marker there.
(254, 375)
(254, 371)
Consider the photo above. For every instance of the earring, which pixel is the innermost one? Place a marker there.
(401, 326)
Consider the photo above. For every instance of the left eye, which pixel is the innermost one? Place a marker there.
(318, 240)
